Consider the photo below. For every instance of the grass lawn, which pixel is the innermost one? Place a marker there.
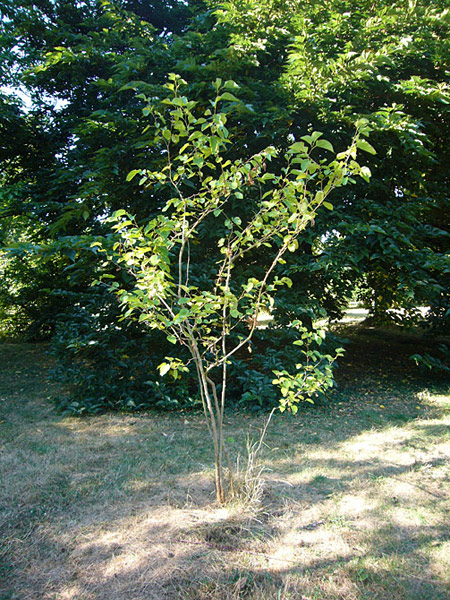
(355, 504)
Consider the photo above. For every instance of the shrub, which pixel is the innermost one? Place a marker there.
(440, 362)
(107, 364)
(251, 376)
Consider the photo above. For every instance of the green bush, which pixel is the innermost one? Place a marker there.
(251, 376)
(104, 364)
(107, 364)
(439, 362)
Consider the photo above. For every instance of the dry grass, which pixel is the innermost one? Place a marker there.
(115, 507)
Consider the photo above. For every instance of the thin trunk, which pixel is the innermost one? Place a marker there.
(213, 418)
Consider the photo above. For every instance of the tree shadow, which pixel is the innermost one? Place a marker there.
(158, 545)
(122, 508)
(174, 564)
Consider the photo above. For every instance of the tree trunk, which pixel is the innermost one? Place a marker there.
(220, 490)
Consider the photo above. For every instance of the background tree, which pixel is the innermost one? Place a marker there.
(389, 64)
(301, 67)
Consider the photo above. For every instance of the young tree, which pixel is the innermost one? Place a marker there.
(211, 307)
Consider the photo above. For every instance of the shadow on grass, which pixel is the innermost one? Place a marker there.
(121, 507)
(182, 564)
(99, 542)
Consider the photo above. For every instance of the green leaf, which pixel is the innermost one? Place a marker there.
(319, 197)
(228, 96)
(163, 368)
(133, 174)
(364, 145)
(365, 173)
(230, 85)
(325, 145)
(297, 147)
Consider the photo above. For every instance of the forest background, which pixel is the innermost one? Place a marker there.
(76, 79)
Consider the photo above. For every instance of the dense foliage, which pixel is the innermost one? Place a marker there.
(73, 78)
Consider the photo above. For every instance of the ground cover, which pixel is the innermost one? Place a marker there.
(355, 504)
